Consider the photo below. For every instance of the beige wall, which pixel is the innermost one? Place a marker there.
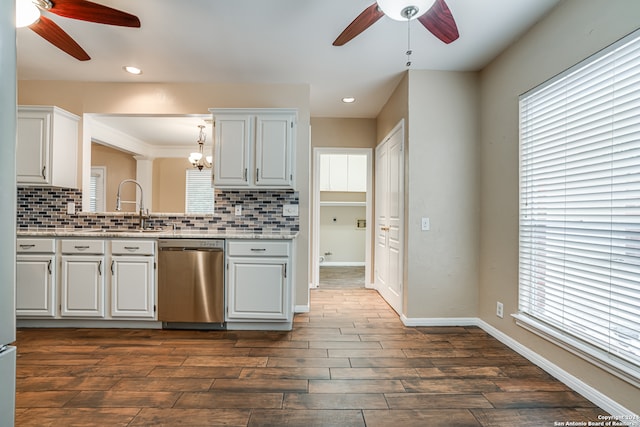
(441, 132)
(441, 175)
(343, 133)
(169, 184)
(572, 32)
(119, 165)
(192, 98)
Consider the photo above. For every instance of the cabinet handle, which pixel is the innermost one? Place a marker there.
(100, 268)
(258, 249)
(81, 248)
(284, 270)
(113, 273)
(245, 174)
(44, 170)
(27, 246)
(49, 266)
(257, 174)
(384, 228)
(132, 248)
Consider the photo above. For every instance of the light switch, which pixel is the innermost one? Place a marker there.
(426, 224)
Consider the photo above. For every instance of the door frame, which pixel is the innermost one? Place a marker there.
(315, 209)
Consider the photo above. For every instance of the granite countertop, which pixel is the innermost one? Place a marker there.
(162, 233)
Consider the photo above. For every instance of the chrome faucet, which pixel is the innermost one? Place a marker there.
(142, 214)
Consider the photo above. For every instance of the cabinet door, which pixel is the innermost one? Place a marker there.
(132, 285)
(258, 288)
(32, 151)
(35, 286)
(82, 286)
(274, 150)
(232, 150)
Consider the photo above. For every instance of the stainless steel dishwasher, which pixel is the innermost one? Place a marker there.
(191, 283)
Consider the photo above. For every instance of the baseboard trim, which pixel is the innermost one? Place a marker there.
(439, 321)
(590, 393)
(301, 308)
(341, 264)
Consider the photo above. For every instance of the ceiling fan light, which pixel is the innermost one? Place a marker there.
(26, 13)
(397, 9)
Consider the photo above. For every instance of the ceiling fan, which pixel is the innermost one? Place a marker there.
(76, 9)
(435, 16)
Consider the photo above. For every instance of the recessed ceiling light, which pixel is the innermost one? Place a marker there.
(348, 99)
(132, 70)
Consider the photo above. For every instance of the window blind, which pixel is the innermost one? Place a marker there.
(579, 225)
(96, 189)
(199, 193)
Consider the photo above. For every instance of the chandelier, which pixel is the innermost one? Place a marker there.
(198, 159)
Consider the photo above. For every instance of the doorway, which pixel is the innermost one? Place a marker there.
(342, 214)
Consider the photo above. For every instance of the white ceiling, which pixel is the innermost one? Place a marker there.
(276, 41)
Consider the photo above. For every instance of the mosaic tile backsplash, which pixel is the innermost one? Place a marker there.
(46, 207)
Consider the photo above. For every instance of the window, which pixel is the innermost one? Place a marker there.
(97, 189)
(199, 193)
(579, 251)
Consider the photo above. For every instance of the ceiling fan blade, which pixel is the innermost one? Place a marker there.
(51, 32)
(366, 19)
(93, 12)
(440, 22)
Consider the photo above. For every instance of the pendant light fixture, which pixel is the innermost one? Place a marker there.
(198, 159)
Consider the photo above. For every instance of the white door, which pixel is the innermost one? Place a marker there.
(257, 288)
(82, 286)
(232, 150)
(35, 291)
(389, 218)
(274, 142)
(132, 286)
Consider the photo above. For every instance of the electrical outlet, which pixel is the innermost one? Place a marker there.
(499, 310)
(290, 210)
(426, 224)
(238, 210)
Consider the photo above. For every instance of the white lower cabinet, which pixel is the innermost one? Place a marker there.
(259, 281)
(85, 279)
(35, 278)
(82, 281)
(132, 279)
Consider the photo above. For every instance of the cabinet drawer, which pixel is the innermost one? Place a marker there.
(133, 247)
(257, 248)
(42, 246)
(82, 246)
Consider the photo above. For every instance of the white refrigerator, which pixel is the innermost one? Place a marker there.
(7, 213)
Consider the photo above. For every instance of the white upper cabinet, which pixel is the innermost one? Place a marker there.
(254, 148)
(343, 172)
(47, 149)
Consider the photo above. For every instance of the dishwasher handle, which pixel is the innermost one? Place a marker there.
(183, 249)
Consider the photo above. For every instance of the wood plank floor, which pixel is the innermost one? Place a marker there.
(349, 362)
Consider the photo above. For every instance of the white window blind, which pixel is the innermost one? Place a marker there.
(97, 189)
(199, 193)
(579, 250)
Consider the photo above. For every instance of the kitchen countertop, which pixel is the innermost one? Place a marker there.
(154, 234)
